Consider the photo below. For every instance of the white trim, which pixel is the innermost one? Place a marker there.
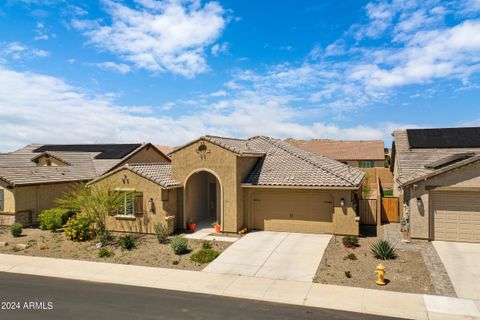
(125, 217)
(185, 187)
(249, 185)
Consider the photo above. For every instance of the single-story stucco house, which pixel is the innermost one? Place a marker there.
(258, 183)
(34, 177)
(437, 177)
(355, 153)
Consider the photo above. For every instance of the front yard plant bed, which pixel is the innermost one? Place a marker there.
(406, 273)
(147, 252)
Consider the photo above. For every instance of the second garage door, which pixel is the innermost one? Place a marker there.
(456, 216)
(292, 211)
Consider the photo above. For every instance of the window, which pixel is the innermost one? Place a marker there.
(132, 204)
(2, 205)
(366, 164)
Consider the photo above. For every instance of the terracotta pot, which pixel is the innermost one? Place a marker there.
(191, 226)
(218, 228)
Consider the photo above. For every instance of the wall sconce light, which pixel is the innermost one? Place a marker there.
(151, 205)
(419, 202)
(342, 202)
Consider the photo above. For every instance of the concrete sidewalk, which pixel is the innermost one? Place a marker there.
(380, 302)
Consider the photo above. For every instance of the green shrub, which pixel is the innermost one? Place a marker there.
(16, 230)
(179, 244)
(80, 227)
(105, 253)
(384, 250)
(348, 274)
(206, 245)
(350, 241)
(53, 219)
(162, 233)
(204, 256)
(127, 242)
(175, 262)
(350, 256)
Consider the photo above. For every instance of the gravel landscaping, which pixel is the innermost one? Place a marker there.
(148, 251)
(406, 273)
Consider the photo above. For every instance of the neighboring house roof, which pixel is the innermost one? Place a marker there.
(165, 149)
(283, 164)
(159, 173)
(19, 167)
(417, 163)
(343, 150)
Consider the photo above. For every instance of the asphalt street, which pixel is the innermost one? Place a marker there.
(34, 297)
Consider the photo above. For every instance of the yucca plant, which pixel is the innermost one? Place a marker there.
(383, 250)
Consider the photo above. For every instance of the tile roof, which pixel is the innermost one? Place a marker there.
(165, 149)
(283, 164)
(412, 162)
(343, 149)
(19, 168)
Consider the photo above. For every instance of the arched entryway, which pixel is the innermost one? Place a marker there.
(203, 198)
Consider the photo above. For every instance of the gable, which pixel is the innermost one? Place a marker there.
(467, 176)
(147, 154)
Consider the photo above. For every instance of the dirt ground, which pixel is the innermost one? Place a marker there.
(407, 273)
(148, 251)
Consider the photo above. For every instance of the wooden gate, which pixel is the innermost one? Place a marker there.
(368, 211)
(390, 209)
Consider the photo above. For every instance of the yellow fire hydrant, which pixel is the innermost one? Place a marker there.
(380, 274)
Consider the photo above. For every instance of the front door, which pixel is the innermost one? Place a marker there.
(212, 199)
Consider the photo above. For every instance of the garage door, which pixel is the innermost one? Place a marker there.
(292, 211)
(456, 216)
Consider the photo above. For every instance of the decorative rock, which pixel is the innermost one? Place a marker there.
(21, 246)
(3, 243)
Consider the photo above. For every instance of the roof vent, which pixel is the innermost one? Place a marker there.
(449, 160)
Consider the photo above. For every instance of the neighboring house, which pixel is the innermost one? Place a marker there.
(259, 183)
(437, 174)
(32, 178)
(356, 153)
(165, 149)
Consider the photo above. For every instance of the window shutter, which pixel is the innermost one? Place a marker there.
(138, 204)
(2, 206)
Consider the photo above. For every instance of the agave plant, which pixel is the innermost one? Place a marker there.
(383, 250)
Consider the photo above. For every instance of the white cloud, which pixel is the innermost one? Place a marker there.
(55, 112)
(219, 48)
(18, 51)
(113, 66)
(159, 36)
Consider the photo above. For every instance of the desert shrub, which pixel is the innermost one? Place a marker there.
(105, 253)
(179, 244)
(175, 262)
(206, 245)
(80, 227)
(53, 218)
(350, 256)
(348, 274)
(350, 241)
(384, 250)
(204, 256)
(162, 233)
(127, 242)
(16, 230)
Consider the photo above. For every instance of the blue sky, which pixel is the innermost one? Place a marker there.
(169, 71)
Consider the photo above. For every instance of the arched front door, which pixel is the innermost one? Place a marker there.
(203, 198)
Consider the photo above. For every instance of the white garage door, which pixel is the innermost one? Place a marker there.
(456, 216)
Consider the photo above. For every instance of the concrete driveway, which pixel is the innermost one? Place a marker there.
(274, 255)
(462, 261)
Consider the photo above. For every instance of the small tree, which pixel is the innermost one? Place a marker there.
(97, 201)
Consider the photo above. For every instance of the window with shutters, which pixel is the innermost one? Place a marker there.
(132, 204)
(366, 164)
(2, 201)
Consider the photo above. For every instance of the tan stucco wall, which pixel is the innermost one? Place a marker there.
(36, 198)
(223, 164)
(9, 198)
(165, 211)
(340, 221)
(147, 155)
(463, 179)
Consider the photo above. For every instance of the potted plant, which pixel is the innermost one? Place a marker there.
(191, 225)
(217, 226)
